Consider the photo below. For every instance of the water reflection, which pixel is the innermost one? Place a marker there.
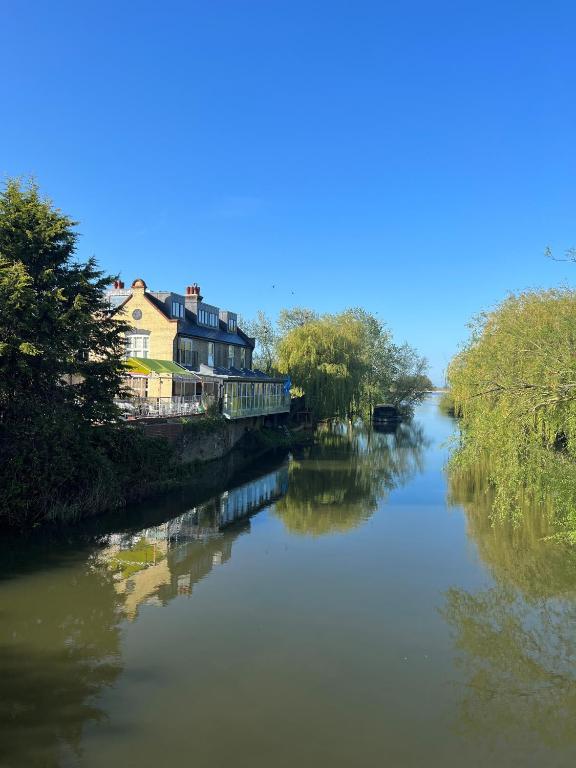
(336, 484)
(520, 550)
(59, 646)
(155, 564)
(516, 641)
(62, 608)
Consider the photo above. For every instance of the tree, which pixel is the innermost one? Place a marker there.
(344, 363)
(325, 359)
(288, 319)
(262, 329)
(514, 385)
(60, 352)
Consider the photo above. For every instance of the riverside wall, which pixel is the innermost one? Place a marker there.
(197, 445)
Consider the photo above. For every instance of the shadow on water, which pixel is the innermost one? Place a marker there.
(516, 640)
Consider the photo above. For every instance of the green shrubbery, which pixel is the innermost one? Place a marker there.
(63, 475)
(514, 386)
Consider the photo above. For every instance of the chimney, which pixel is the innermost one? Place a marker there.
(118, 284)
(139, 286)
(193, 297)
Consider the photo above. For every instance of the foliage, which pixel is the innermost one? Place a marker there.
(61, 447)
(52, 313)
(262, 329)
(514, 385)
(347, 363)
(325, 358)
(514, 641)
(288, 319)
(446, 404)
(203, 425)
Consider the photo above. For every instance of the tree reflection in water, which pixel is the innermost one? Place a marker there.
(516, 641)
(336, 484)
(59, 648)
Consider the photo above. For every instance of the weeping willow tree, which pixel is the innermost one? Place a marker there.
(325, 360)
(514, 385)
(347, 363)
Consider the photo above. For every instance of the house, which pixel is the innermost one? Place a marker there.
(181, 347)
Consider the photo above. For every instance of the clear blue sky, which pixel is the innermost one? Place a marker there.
(414, 158)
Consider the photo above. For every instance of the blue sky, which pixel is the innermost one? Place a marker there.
(414, 158)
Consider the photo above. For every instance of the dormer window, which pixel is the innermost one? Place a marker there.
(231, 325)
(177, 309)
(208, 318)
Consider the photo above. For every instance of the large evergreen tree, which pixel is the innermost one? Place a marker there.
(60, 355)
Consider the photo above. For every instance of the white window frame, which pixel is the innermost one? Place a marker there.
(137, 345)
(211, 354)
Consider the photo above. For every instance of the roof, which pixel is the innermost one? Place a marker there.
(240, 374)
(188, 325)
(213, 334)
(146, 365)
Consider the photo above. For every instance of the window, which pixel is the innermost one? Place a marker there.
(138, 385)
(232, 325)
(177, 309)
(137, 345)
(185, 354)
(243, 357)
(210, 353)
(207, 318)
(230, 356)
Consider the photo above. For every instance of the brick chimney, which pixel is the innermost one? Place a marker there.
(118, 284)
(139, 286)
(193, 297)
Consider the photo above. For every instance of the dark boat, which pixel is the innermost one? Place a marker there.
(386, 415)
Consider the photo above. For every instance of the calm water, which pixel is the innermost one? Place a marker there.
(358, 610)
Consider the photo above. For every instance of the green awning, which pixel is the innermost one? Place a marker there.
(146, 365)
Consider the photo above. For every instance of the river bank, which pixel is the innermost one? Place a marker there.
(157, 456)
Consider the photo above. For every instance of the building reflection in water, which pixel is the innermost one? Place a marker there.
(63, 604)
(157, 563)
(516, 640)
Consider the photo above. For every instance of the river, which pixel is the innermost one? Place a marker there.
(343, 606)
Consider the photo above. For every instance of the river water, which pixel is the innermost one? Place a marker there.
(348, 605)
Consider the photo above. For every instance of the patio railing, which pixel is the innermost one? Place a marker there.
(150, 407)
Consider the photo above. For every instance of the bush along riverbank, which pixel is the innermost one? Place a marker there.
(514, 389)
(120, 465)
